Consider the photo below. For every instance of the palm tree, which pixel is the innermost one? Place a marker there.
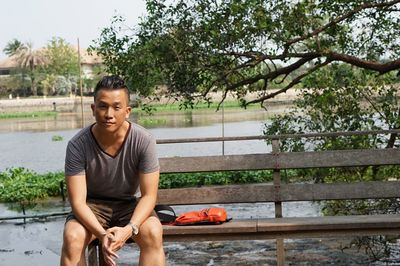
(29, 59)
(12, 47)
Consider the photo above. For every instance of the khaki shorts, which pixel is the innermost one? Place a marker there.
(110, 213)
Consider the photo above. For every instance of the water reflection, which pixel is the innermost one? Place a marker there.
(65, 121)
(42, 124)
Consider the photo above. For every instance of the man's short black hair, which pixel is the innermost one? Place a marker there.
(113, 82)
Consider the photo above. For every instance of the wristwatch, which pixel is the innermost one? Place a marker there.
(135, 228)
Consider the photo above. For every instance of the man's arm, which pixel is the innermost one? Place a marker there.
(76, 186)
(148, 189)
(144, 208)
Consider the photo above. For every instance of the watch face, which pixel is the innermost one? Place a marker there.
(135, 229)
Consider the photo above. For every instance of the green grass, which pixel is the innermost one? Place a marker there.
(24, 186)
(26, 115)
(149, 122)
(57, 138)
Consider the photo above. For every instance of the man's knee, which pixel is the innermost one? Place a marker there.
(75, 237)
(151, 233)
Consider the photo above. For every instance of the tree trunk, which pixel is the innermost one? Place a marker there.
(33, 86)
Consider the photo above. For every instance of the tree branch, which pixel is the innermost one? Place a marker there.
(271, 75)
(382, 68)
(290, 85)
(340, 19)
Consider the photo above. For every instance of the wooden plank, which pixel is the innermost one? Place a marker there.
(235, 229)
(280, 252)
(250, 193)
(331, 233)
(217, 163)
(294, 227)
(342, 158)
(286, 235)
(353, 222)
(282, 136)
(338, 191)
(231, 227)
(214, 237)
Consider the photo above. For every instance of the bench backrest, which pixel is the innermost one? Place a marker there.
(277, 161)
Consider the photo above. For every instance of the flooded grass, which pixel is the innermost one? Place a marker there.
(27, 115)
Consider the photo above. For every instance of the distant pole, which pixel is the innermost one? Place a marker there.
(80, 84)
(223, 129)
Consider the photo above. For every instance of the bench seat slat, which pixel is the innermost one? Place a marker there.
(234, 226)
(329, 223)
(233, 230)
(293, 227)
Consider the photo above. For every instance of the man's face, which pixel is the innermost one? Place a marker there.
(111, 109)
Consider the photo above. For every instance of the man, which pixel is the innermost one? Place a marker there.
(112, 173)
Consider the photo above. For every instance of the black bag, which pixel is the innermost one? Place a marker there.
(165, 213)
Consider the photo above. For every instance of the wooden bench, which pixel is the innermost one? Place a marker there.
(280, 228)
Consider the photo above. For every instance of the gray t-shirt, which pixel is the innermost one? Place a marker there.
(112, 177)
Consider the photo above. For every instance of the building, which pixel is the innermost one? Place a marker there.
(7, 65)
(88, 63)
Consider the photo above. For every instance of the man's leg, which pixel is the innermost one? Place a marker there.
(150, 243)
(76, 239)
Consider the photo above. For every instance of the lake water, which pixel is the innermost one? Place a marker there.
(28, 142)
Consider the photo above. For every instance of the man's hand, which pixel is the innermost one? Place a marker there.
(120, 235)
(108, 253)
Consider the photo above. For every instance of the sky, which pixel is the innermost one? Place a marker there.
(37, 21)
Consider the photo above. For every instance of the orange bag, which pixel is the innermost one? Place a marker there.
(205, 216)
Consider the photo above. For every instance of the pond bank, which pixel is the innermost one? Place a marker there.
(73, 102)
(44, 104)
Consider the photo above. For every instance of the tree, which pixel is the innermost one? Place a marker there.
(16, 81)
(61, 58)
(340, 97)
(240, 46)
(30, 59)
(62, 67)
(12, 47)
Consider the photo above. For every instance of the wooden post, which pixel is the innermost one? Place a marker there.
(223, 129)
(95, 254)
(92, 254)
(80, 85)
(280, 248)
(101, 256)
(62, 190)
